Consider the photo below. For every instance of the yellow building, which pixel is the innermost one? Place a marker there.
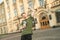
(43, 10)
(14, 9)
(3, 22)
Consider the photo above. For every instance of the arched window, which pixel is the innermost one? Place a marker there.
(30, 2)
(42, 3)
(42, 16)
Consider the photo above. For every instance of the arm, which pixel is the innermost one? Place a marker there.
(23, 25)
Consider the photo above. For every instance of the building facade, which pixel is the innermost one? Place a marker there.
(3, 22)
(45, 11)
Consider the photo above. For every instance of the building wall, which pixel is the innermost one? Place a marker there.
(3, 23)
(14, 9)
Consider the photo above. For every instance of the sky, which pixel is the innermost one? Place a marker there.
(1, 1)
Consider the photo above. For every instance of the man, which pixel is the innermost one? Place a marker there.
(27, 25)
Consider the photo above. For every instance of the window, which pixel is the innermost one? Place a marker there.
(1, 30)
(35, 20)
(15, 12)
(46, 23)
(42, 2)
(14, 1)
(43, 23)
(5, 30)
(50, 17)
(4, 20)
(30, 3)
(0, 11)
(0, 20)
(3, 11)
(9, 15)
(22, 8)
(58, 17)
(7, 1)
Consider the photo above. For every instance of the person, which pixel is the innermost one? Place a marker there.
(27, 25)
